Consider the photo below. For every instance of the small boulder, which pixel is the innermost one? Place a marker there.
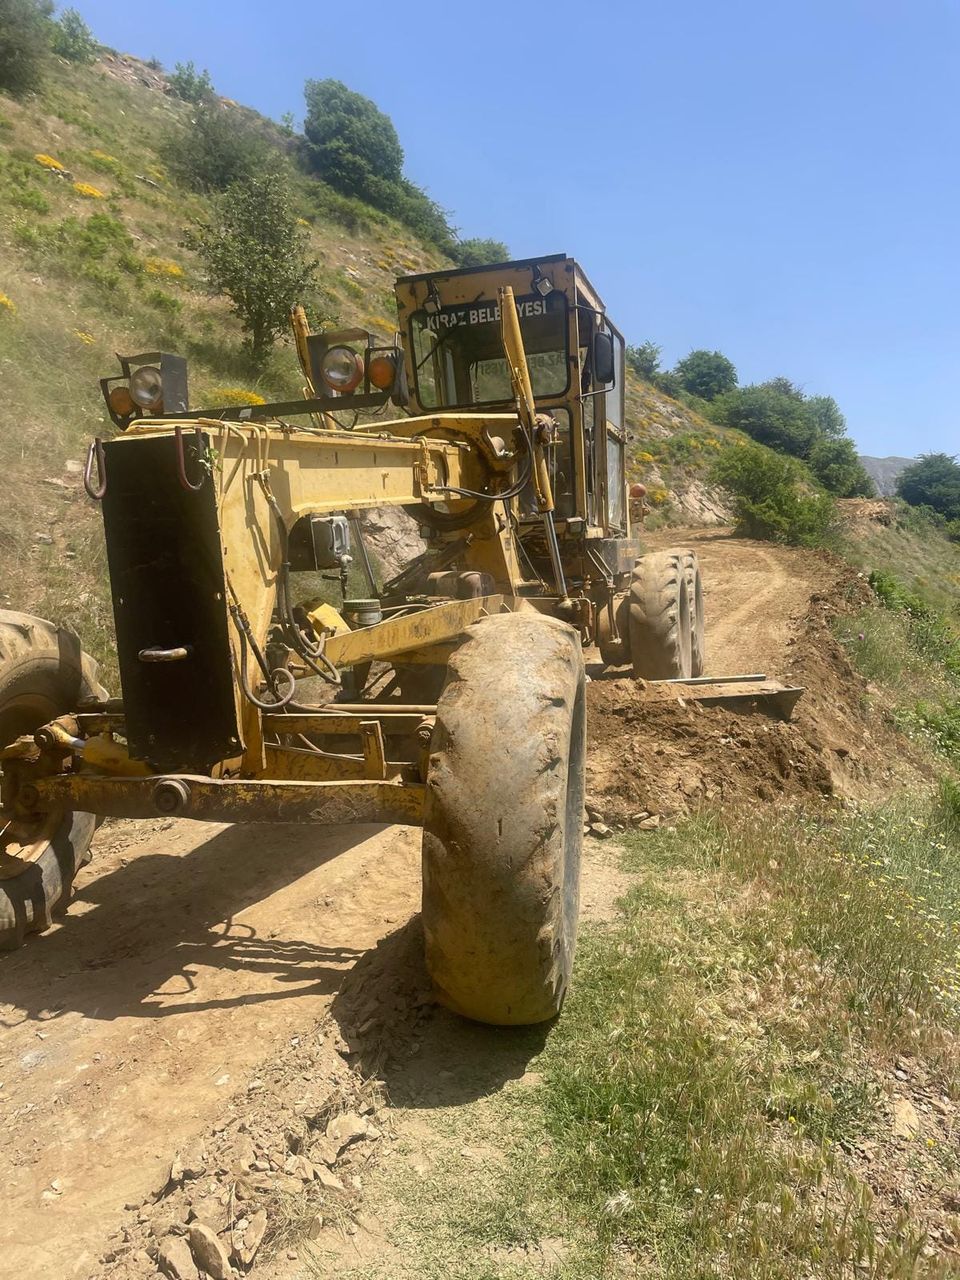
(209, 1253)
(906, 1121)
(346, 1129)
(176, 1261)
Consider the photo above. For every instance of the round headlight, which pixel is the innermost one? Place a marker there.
(146, 387)
(383, 372)
(121, 401)
(341, 369)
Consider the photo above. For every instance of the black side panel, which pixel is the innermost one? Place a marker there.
(166, 572)
(618, 554)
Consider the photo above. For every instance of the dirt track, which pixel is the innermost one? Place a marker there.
(194, 952)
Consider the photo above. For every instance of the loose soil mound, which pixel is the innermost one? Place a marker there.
(647, 758)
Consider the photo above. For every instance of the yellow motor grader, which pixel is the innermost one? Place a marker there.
(451, 695)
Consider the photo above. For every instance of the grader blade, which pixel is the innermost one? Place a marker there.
(739, 693)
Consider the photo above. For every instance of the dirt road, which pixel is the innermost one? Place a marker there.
(193, 952)
(754, 593)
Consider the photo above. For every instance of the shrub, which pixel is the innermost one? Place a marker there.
(164, 302)
(104, 163)
(24, 44)
(707, 374)
(479, 253)
(217, 148)
(773, 498)
(72, 39)
(190, 84)
(28, 198)
(256, 254)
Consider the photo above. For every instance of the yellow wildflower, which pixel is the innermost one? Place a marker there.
(302, 222)
(86, 338)
(90, 193)
(658, 497)
(234, 396)
(102, 155)
(48, 162)
(7, 304)
(645, 457)
(163, 267)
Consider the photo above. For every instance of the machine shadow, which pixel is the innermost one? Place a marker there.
(134, 930)
(427, 1057)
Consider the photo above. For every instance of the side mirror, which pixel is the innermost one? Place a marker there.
(604, 367)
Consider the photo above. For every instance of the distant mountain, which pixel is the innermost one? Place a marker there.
(884, 471)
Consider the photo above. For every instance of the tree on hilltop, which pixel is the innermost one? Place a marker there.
(706, 374)
(932, 481)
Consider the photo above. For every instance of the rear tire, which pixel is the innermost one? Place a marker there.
(660, 631)
(503, 821)
(691, 569)
(43, 674)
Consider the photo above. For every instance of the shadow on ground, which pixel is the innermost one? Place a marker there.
(426, 1056)
(141, 928)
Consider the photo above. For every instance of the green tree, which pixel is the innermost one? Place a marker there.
(932, 481)
(215, 149)
(773, 498)
(72, 39)
(825, 412)
(352, 146)
(349, 142)
(24, 44)
(479, 253)
(835, 464)
(644, 359)
(784, 387)
(772, 416)
(707, 374)
(255, 252)
(190, 84)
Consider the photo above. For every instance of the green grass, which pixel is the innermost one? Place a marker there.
(912, 650)
(723, 1053)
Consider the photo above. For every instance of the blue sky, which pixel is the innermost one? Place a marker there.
(778, 181)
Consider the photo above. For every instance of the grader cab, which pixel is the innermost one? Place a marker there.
(451, 696)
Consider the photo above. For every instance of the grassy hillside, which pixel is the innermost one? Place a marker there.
(91, 263)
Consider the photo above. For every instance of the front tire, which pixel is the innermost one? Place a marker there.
(503, 821)
(43, 674)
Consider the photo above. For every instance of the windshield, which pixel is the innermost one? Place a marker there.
(458, 355)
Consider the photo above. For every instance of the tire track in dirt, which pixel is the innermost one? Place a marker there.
(191, 952)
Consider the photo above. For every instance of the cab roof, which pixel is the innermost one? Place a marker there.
(447, 273)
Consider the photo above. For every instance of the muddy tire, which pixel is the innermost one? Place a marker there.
(43, 674)
(503, 821)
(660, 631)
(691, 570)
